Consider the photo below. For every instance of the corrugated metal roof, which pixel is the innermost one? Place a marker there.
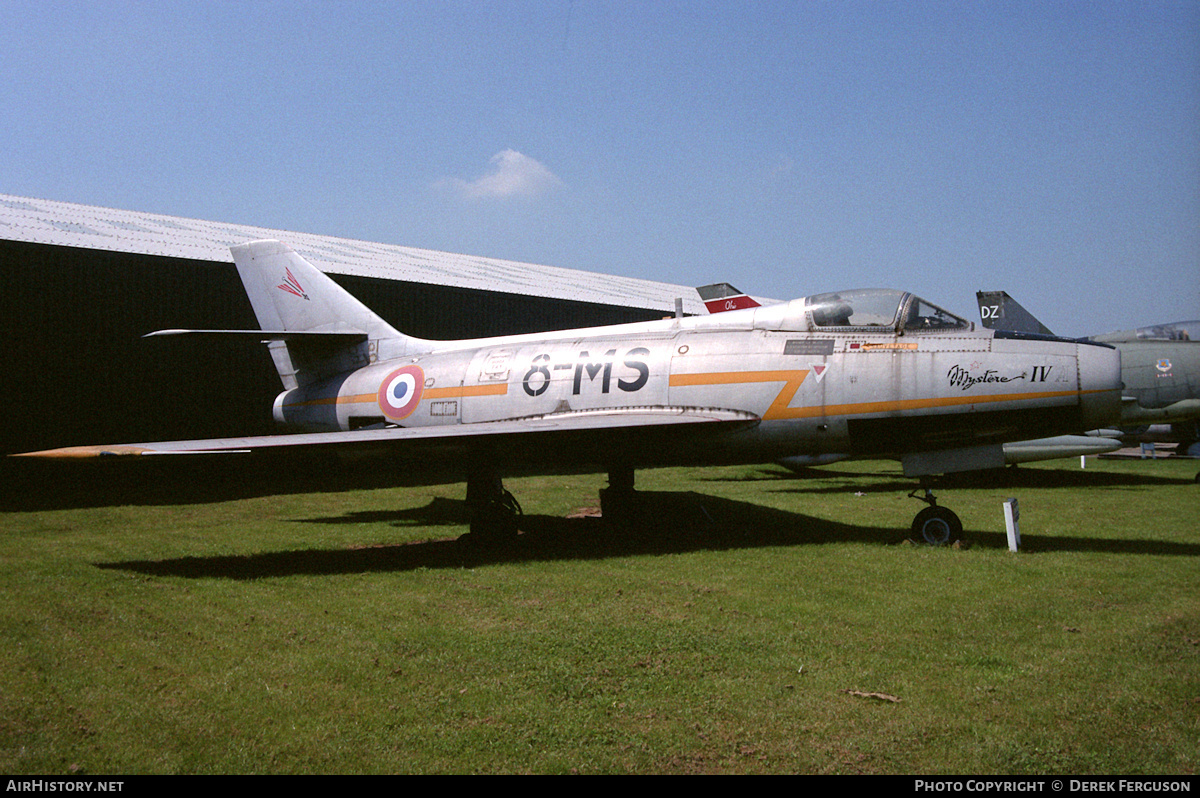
(71, 225)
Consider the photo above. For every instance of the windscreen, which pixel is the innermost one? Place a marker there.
(922, 315)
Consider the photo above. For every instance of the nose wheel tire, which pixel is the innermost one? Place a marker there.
(937, 526)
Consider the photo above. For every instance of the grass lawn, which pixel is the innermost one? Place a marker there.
(757, 621)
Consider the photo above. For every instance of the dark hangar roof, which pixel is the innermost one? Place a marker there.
(68, 224)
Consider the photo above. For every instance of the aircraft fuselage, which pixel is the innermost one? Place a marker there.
(860, 393)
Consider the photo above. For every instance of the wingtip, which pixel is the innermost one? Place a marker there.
(84, 452)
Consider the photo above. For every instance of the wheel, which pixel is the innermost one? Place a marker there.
(937, 526)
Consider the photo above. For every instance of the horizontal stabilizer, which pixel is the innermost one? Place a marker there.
(331, 336)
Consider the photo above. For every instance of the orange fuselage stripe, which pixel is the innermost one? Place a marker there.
(455, 392)
(779, 406)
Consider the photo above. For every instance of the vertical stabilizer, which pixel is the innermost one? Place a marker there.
(290, 295)
(999, 311)
(720, 297)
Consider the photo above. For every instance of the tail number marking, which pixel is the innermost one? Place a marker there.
(635, 377)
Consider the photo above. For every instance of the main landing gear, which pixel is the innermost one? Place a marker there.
(937, 526)
(494, 512)
(618, 502)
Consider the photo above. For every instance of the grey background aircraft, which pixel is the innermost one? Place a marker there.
(1160, 371)
(863, 373)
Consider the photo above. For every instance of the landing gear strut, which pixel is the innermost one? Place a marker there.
(937, 526)
(618, 501)
(494, 512)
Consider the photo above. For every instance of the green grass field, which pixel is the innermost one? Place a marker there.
(757, 622)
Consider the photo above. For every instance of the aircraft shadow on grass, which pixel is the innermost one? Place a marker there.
(26, 487)
(672, 523)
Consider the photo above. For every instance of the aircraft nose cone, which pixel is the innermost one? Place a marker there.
(1099, 385)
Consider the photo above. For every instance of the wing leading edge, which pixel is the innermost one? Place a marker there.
(574, 436)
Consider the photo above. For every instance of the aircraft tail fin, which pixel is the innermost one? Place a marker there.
(999, 311)
(316, 328)
(720, 297)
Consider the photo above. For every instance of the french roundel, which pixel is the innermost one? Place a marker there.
(401, 391)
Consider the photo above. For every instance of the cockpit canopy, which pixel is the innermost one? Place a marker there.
(1179, 331)
(878, 309)
(862, 310)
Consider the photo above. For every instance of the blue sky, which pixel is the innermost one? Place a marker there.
(1051, 149)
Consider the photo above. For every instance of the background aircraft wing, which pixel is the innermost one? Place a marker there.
(574, 436)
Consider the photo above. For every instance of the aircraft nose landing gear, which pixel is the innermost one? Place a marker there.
(937, 526)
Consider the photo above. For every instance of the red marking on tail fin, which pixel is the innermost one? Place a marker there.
(292, 285)
(730, 303)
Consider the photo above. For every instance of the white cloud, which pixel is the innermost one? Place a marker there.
(512, 175)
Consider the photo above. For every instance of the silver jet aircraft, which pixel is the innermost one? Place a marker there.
(723, 297)
(866, 373)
